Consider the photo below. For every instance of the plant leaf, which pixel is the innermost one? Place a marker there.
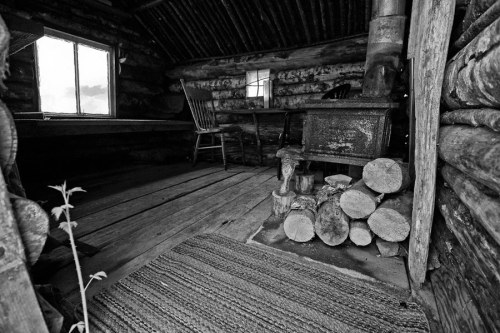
(67, 206)
(79, 325)
(76, 189)
(56, 187)
(64, 225)
(99, 275)
(57, 211)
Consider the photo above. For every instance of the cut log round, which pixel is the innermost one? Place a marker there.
(33, 224)
(387, 249)
(359, 233)
(304, 183)
(299, 225)
(385, 175)
(332, 224)
(359, 201)
(392, 219)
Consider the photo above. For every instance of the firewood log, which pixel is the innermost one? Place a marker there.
(385, 175)
(391, 221)
(299, 225)
(387, 249)
(359, 201)
(332, 224)
(474, 151)
(359, 233)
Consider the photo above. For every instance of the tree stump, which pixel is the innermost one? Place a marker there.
(359, 233)
(282, 203)
(359, 201)
(385, 175)
(332, 224)
(387, 249)
(392, 219)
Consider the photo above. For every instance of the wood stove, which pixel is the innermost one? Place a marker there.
(348, 131)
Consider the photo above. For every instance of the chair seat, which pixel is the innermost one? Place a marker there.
(226, 129)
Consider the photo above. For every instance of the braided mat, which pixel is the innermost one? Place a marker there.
(211, 283)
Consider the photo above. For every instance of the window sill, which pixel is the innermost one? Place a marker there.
(35, 128)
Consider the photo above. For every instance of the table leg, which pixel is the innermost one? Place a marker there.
(257, 137)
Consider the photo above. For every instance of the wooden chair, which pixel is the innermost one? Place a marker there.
(202, 108)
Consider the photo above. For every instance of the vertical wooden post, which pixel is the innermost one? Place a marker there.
(19, 309)
(430, 47)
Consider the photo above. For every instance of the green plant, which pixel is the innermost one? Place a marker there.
(67, 226)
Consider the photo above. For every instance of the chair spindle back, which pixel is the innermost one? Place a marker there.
(199, 101)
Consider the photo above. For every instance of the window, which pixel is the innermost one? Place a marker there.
(255, 82)
(75, 76)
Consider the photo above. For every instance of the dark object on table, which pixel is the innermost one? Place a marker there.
(202, 108)
(339, 92)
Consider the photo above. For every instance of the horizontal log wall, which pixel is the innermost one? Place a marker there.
(140, 93)
(290, 88)
(469, 199)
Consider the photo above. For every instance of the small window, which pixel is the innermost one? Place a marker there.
(255, 82)
(75, 76)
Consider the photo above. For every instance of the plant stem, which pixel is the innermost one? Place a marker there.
(77, 263)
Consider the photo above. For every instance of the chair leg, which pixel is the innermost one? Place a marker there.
(196, 149)
(213, 150)
(242, 150)
(223, 146)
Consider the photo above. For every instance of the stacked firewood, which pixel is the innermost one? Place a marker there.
(377, 208)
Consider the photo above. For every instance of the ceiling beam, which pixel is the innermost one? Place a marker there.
(304, 21)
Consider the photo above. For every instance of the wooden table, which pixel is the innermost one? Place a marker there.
(255, 112)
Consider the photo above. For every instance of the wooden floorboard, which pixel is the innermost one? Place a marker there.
(109, 210)
(156, 225)
(236, 211)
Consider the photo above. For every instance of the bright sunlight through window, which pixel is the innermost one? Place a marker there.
(74, 75)
(255, 82)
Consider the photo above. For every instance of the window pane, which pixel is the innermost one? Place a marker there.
(94, 80)
(56, 74)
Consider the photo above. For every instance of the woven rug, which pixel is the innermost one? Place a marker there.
(211, 283)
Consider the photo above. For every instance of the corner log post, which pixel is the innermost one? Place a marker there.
(433, 20)
(282, 199)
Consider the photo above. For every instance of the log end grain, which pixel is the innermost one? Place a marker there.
(385, 175)
(359, 233)
(389, 224)
(299, 225)
(359, 201)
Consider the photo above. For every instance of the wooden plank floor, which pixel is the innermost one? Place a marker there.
(132, 222)
(137, 213)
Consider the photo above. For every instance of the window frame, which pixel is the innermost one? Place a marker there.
(111, 74)
(247, 84)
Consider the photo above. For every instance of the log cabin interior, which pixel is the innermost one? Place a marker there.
(362, 197)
